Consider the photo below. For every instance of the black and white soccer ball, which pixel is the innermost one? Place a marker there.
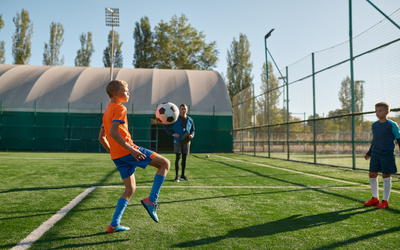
(167, 113)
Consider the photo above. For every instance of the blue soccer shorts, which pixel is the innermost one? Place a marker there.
(127, 164)
(382, 163)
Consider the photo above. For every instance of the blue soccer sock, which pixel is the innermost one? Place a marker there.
(155, 190)
(119, 210)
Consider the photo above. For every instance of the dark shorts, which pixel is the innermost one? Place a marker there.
(180, 148)
(127, 165)
(383, 163)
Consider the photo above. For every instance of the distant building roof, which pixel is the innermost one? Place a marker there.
(52, 88)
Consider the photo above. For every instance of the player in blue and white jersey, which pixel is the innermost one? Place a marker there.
(381, 153)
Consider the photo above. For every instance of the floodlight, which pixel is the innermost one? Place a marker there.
(269, 34)
(112, 17)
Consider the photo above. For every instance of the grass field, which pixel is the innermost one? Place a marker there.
(231, 202)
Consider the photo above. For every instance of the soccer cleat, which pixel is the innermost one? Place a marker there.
(183, 178)
(373, 202)
(118, 228)
(383, 205)
(176, 179)
(151, 208)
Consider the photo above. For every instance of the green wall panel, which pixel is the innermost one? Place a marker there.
(79, 132)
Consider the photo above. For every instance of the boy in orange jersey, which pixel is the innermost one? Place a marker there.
(115, 138)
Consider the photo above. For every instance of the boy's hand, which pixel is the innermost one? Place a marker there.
(176, 135)
(367, 156)
(137, 154)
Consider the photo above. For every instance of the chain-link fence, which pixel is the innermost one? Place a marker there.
(321, 108)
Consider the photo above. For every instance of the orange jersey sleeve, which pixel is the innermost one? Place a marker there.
(116, 113)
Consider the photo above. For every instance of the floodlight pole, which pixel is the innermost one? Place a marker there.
(112, 23)
(266, 70)
(112, 46)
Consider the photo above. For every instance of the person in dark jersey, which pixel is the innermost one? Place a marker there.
(183, 133)
(381, 153)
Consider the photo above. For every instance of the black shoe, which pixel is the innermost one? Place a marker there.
(176, 179)
(183, 178)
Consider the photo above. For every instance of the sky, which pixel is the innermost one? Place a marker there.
(300, 26)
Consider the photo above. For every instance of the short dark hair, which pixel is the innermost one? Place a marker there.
(183, 105)
(383, 104)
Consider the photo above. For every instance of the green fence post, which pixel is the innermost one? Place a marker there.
(132, 130)
(314, 113)
(242, 134)
(353, 123)
(213, 128)
(287, 114)
(254, 121)
(68, 128)
(266, 68)
(34, 128)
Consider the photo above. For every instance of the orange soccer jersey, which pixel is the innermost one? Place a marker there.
(116, 113)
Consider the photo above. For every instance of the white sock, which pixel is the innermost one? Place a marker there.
(387, 185)
(374, 187)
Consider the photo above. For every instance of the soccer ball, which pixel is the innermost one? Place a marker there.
(207, 156)
(167, 113)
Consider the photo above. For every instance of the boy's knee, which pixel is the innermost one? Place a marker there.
(130, 191)
(167, 164)
(373, 174)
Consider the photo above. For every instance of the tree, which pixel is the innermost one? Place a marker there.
(84, 54)
(180, 46)
(162, 46)
(345, 95)
(52, 49)
(22, 38)
(144, 44)
(2, 43)
(117, 54)
(238, 58)
(239, 53)
(274, 94)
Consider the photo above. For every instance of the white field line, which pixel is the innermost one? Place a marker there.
(298, 172)
(38, 232)
(237, 187)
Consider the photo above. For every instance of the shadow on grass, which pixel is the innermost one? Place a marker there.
(292, 223)
(37, 243)
(321, 190)
(360, 238)
(100, 183)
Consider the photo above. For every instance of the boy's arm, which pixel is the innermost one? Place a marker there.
(118, 138)
(396, 132)
(368, 154)
(103, 140)
(169, 131)
(192, 129)
(369, 151)
(166, 128)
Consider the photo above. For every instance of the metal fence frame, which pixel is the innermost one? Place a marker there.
(239, 132)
